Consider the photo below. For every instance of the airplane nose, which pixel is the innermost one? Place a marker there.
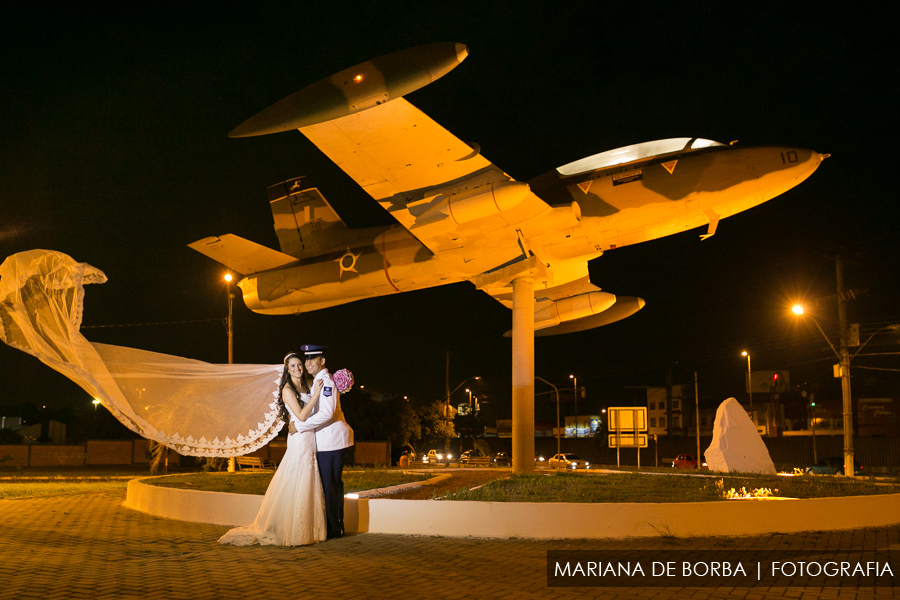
(780, 169)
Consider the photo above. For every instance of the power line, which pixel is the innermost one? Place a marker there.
(144, 324)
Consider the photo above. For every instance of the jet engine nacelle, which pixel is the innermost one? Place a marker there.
(461, 208)
(572, 308)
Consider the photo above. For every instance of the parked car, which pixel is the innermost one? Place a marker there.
(833, 465)
(686, 461)
(568, 461)
(502, 459)
(436, 456)
(465, 456)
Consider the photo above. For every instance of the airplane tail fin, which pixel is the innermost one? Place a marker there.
(305, 223)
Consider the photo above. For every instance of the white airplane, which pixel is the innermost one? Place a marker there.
(462, 218)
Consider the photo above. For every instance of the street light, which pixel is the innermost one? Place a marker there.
(447, 401)
(228, 278)
(232, 464)
(812, 408)
(449, 393)
(575, 391)
(556, 389)
(844, 370)
(749, 384)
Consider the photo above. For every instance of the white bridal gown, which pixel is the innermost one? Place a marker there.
(293, 511)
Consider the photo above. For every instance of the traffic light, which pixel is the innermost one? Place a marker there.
(583, 392)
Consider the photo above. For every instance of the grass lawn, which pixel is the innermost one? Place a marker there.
(256, 483)
(633, 487)
(26, 490)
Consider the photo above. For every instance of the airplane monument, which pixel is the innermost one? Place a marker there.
(462, 218)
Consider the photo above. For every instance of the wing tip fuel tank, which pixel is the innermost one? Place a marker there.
(624, 307)
(356, 89)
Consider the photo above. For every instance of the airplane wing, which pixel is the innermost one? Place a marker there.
(458, 203)
(394, 148)
(441, 189)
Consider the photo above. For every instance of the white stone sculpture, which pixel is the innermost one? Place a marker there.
(736, 445)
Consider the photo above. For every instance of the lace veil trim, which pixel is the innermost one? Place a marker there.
(193, 407)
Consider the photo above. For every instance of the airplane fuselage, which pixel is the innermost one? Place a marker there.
(570, 215)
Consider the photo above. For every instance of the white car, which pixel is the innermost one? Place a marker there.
(435, 456)
(568, 461)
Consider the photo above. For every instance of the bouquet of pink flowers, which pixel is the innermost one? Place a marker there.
(343, 379)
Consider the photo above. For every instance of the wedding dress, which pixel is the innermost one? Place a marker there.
(293, 511)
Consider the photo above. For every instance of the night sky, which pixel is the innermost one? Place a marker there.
(115, 151)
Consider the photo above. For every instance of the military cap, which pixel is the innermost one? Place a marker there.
(312, 351)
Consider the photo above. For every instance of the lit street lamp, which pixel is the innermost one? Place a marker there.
(232, 464)
(575, 391)
(812, 408)
(749, 384)
(556, 389)
(228, 278)
(459, 386)
(844, 371)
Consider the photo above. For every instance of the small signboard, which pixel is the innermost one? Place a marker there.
(626, 424)
(628, 440)
(627, 418)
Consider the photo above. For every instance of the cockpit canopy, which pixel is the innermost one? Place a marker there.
(620, 156)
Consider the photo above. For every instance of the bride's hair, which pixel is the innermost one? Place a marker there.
(286, 380)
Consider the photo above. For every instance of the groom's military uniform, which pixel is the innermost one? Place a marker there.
(334, 437)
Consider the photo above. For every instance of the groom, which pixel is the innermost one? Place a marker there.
(333, 438)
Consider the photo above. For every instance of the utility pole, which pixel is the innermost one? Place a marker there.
(669, 430)
(447, 404)
(845, 371)
(697, 409)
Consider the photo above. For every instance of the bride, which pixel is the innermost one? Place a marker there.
(293, 510)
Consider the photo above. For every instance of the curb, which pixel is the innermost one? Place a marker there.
(557, 520)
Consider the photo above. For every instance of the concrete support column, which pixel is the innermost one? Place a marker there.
(523, 374)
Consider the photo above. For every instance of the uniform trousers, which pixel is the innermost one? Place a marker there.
(331, 466)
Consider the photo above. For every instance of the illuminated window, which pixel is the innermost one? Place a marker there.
(620, 156)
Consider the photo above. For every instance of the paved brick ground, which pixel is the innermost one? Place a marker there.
(85, 545)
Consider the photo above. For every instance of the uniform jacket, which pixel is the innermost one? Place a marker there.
(332, 430)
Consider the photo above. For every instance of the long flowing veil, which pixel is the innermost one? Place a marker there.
(195, 408)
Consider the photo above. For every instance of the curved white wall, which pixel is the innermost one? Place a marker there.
(558, 520)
